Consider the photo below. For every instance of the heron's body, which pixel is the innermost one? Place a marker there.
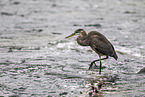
(97, 42)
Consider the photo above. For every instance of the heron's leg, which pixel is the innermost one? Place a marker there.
(96, 61)
(95, 64)
(100, 64)
(92, 64)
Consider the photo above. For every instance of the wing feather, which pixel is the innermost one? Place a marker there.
(101, 45)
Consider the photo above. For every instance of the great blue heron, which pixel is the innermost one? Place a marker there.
(97, 42)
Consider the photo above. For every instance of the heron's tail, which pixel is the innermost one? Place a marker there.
(115, 56)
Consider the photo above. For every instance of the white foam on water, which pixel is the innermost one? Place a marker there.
(132, 51)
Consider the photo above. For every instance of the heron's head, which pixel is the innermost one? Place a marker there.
(77, 32)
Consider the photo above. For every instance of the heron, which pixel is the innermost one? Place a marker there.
(98, 42)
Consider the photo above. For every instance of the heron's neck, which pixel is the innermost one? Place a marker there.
(83, 40)
(83, 35)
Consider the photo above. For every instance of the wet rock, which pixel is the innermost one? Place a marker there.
(35, 30)
(77, 25)
(22, 15)
(16, 3)
(16, 47)
(90, 51)
(81, 92)
(63, 93)
(6, 13)
(129, 12)
(38, 30)
(93, 25)
(142, 71)
(23, 61)
(119, 28)
(12, 48)
(89, 25)
(56, 33)
(54, 5)
(6, 37)
(76, 50)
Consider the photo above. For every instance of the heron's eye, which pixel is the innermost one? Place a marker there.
(79, 31)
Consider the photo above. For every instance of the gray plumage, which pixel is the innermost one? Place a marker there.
(97, 41)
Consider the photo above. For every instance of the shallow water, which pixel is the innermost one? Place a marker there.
(36, 60)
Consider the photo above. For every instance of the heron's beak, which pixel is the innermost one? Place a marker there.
(70, 35)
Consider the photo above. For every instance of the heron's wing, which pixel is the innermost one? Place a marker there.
(101, 44)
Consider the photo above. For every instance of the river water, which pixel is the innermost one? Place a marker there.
(36, 59)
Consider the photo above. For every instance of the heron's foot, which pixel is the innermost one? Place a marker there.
(92, 65)
(95, 64)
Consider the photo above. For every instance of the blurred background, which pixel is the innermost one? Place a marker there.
(37, 60)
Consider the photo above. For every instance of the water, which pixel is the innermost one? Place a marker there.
(36, 60)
